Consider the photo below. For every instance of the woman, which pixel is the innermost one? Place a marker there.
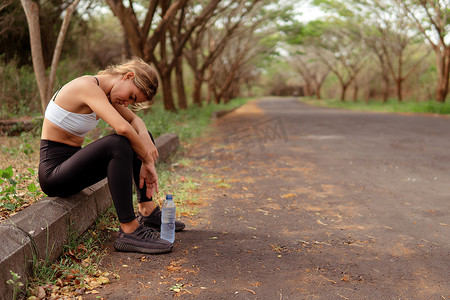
(66, 168)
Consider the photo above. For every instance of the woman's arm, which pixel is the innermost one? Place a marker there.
(127, 124)
(140, 128)
(148, 170)
(99, 103)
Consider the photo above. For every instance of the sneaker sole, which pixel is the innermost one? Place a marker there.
(122, 247)
(177, 229)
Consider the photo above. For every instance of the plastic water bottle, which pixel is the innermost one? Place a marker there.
(168, 219)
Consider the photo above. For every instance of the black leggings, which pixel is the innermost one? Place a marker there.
(66, 170)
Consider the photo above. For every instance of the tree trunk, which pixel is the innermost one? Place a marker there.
(45, 83)
(355, 93)
(444, 72)
(318, 82)
(167, 91)
(318, 92)
(32, 14)
(58, 48)
(398, 84)
(197, 92)
(343, 92)
(208, 97)
(182, 101)
(387, 84)
(307, 89)
(210, 81)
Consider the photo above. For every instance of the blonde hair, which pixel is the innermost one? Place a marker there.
(145, 78)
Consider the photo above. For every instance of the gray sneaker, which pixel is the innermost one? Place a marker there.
(143, 240)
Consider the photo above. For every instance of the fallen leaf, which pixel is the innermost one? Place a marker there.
(290, 195)
(173, 268)
(321, 223)
(250, 291)
(41, 293)
(255, 284)
(103, 280)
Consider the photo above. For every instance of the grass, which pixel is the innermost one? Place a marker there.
(187, 124)
(77, 271)
(392, 105)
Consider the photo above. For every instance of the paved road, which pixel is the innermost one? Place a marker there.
(321, 204)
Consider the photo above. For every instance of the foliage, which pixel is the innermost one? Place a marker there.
(392, 105)
(12, 195)
(14, 39)
(18, 90)
(15, 283)
(77, 270)
(188, 123)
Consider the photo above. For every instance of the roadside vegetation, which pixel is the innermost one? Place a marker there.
(391, 105)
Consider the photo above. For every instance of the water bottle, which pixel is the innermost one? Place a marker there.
(168, 219)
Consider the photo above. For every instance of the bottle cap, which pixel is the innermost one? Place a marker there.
(168, 197)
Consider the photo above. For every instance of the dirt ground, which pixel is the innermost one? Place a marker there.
(314, 203)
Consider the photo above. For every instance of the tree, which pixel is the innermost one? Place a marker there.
(432, 18)
(144, 40)
(234, 66)
(207, 43)
(45, 83)
(340, 48)
(313, 71)
(389, 34)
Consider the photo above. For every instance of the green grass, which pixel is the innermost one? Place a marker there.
(78, 268)
(187, 124)
(392, 105)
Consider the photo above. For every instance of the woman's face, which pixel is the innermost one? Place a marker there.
(125, 92)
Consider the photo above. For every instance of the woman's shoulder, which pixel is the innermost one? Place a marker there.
(84, 82)
(76, 94)
(81, 87)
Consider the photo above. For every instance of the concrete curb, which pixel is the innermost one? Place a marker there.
(41, 230)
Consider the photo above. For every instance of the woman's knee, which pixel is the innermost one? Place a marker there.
(120, 144)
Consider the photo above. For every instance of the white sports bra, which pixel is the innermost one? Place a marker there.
(74, 123)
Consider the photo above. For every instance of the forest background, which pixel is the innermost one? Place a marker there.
(214, 51)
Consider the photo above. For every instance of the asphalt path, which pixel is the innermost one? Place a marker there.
(309, 203)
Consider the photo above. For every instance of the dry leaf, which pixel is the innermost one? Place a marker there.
(41, 293)
(321, 223)
(290, 195)
(103, 280)
(250, 291)
(173, 268)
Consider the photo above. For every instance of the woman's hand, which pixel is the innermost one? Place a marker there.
(152, 154)
(149, 177)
